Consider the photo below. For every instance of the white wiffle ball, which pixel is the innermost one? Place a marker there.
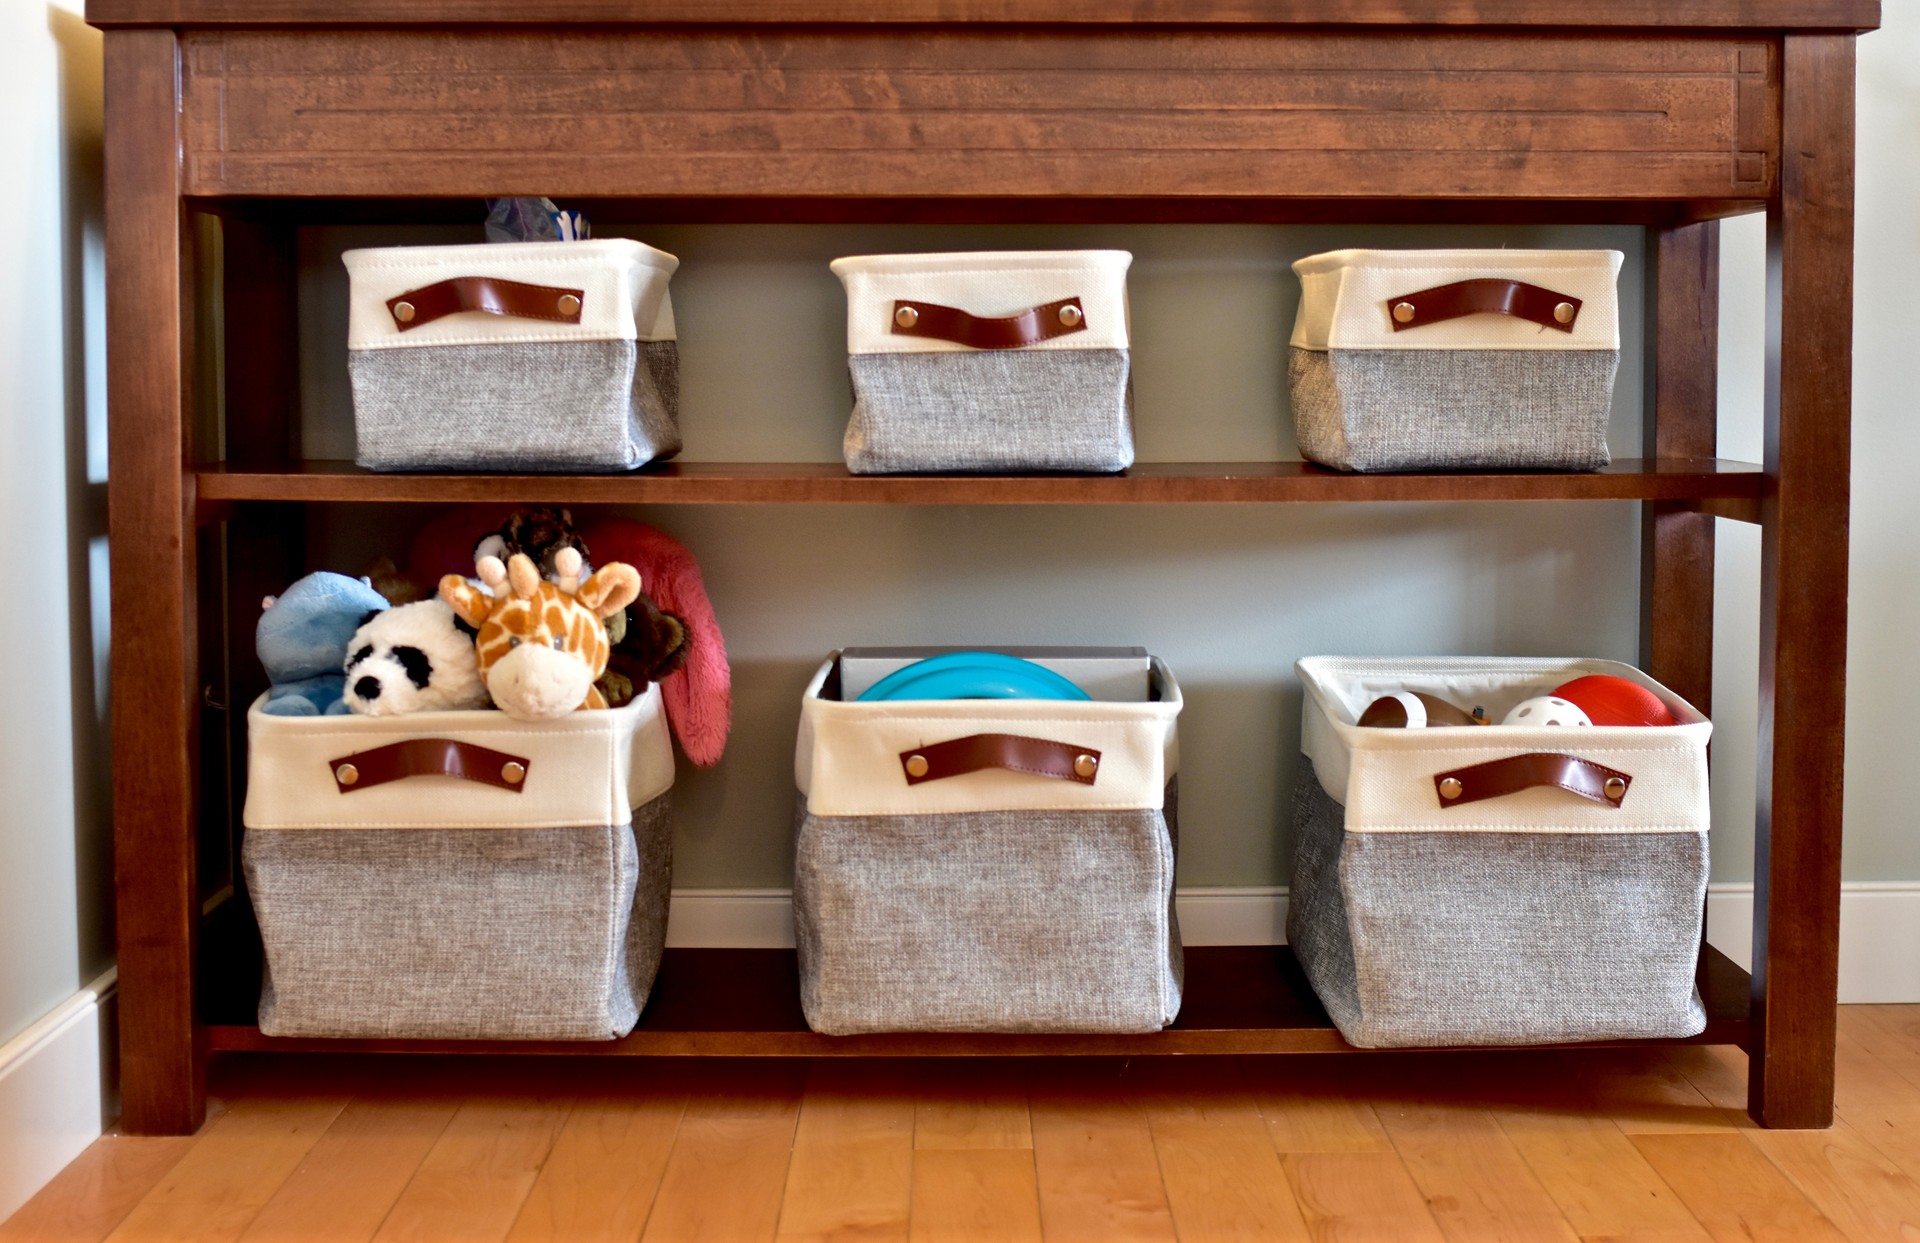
(1546, 710)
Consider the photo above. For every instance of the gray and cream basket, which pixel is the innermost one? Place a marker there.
(545, 356)
(1497, 885)
(459, 875)
(987, 865)
(1455, 359)
(999, 361)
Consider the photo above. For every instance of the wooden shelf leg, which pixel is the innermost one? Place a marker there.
(1803, 590)
(156, 689)
(1676, 564)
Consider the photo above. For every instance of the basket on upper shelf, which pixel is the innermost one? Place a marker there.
(513, 356)
(1455, 359)
(996, 361)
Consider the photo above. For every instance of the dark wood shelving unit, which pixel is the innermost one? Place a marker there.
(1729, 487)
(231, 124)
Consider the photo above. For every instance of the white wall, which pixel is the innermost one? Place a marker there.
(55, 874)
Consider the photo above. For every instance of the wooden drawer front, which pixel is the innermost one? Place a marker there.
(981, 112)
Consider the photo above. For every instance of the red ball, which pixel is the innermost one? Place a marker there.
(1608, 700)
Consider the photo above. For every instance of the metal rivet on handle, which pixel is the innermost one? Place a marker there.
(346, 774)
(1615, 788)
(906, 317)
(916, 766)
(513, 772)
(1563, 314)
(1083, 766)
(1071, 316)
(1450, 787)
(569, 305)
(403, 311)
(1403, 312)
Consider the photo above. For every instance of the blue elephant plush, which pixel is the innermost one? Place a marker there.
(302, 640)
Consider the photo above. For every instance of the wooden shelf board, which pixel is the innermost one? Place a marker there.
(1762, 14)
(758, 483)
(746, 1003)
(772, 208)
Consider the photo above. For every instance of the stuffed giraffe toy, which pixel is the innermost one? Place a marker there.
(540, 647)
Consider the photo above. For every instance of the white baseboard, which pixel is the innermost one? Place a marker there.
(1879, 927)
(53, 1095)
(1879, 937)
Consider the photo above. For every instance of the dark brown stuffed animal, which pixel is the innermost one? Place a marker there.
(653, 646)
(539, 532)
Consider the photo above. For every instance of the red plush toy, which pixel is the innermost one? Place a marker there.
(1608, 700)
(699, 700)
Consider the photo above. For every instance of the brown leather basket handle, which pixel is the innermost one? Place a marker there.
(946, 323)
(1524, 772)
(975, 752)
(430, 757)
(487, 294)
(1485, 296)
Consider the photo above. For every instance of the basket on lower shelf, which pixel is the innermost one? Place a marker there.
(987, 866)
(459, 875)
(1502, 885)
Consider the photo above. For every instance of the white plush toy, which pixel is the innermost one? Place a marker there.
(414, 658)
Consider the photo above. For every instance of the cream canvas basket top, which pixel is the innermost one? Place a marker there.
(1385, 778)
(987, 285)
(585, 769)
(849, 758)
(1348, 300)
(619, 287)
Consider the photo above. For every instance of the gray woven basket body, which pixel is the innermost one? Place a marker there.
(517, 405)
(1384, 410)
(991, 410)
(499, 934)
(1015, 921)
(1495, 938)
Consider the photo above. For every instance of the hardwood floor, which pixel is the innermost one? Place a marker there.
(1575, 1147)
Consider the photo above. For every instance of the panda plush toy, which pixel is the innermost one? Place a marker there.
(414, 658)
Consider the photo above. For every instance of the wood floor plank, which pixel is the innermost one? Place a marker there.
(1317, 1108)
(1865, 1195)
(851, 1172)
(97, 1190)
(235, 1166)
(1605, 1189)
(1223, 1179)
(598, 1183)
(728, 1169)
(1879, 1102)
(974, 1195)
(1099, 1177)
(1359, 1197)
(1734, 1191)
(474, 1180)
(972, 1103)
(1645, 1093)
(350, 1180)
(1477, 1186)
(1890, 1033)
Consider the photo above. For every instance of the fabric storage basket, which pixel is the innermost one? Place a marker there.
(987, 865)
(997, 361)
(1448, 359)
(459, 875)
(1548, 914)
(546, 356)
